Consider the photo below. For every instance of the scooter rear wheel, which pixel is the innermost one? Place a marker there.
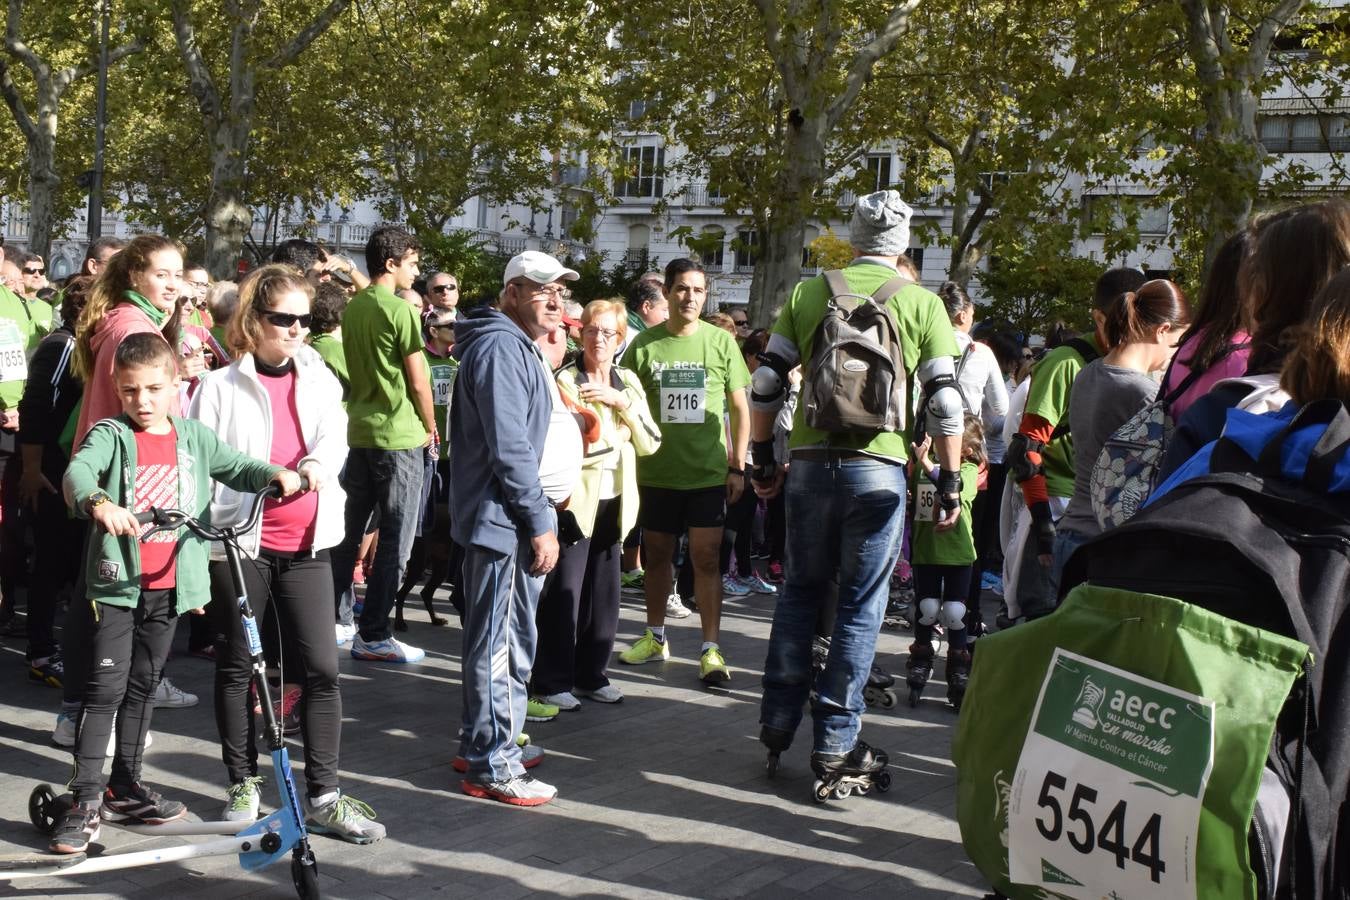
(45, 808)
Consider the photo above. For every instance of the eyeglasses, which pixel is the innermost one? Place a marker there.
(548, 291)
(38, 271)
(444, 288)
(741, 323)
(608, 334)
(286, 320)
(199, 285)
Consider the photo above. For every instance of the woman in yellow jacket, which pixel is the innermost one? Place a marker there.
(579, 611)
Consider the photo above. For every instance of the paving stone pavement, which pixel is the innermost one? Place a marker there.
(663, 795)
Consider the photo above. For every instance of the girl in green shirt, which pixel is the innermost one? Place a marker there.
(941, 561)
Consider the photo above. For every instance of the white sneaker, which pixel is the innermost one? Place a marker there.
(607, 694)
(345, 633)
(63, 735)
(523, 790)
(675, 608)
(388, 650)
(564, 701)
(167, 696)
(243, 800)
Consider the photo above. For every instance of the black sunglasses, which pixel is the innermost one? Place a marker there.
(286, 320)
(34, 271)
(444, 288)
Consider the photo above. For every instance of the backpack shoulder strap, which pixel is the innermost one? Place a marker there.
(835, 281)
(890, 289)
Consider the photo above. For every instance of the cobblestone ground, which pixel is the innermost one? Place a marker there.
(663, 795)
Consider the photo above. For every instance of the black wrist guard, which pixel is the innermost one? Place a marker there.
(1043, 528)
(763, 463)
(949, 489)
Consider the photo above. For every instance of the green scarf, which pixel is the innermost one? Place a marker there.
(157, 315)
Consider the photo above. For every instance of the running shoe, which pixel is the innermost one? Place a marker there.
(605, 694)
(564, 701)
(647, 649)
(345, 633)
(732, 587)
(537, 710)
(523, 790)
(775, 575)
(78, 828)
(712, 668)
(138, 805)
(633, 580)
(168, 696)
(47, 669)
(388, 650)
(530, 756)
(675, 608)
(288, 711)
(758, 585)
(342, 817)
(243, 799)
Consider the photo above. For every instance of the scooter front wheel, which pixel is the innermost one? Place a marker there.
(45, 808)
(305, 875)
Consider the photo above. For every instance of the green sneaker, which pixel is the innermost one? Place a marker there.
(539, 711)
(712, 668)
(647, 649)
(634, 579)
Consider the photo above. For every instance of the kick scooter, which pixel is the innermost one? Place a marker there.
(259, 843)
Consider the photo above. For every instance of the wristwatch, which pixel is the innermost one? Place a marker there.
(95, 500)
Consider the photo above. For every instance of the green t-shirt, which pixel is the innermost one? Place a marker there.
(944, 548)
(687, 380)
(379, 331)
(18, 333)
(43, 315)
(330, 351)
(925, 333)
(442, 371)
(1048, 397)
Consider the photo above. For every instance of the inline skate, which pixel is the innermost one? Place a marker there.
(777, 741)
(839, 775)
(877, 691)
(918, 669)
(958, 673)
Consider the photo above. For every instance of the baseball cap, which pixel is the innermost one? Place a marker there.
(538, 267)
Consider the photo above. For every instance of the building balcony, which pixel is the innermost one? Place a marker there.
(701, 194)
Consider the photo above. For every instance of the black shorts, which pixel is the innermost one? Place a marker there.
(671, 511)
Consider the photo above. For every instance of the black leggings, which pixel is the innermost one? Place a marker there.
(127, 649)
(303, 589)
(736, 534)
(946, 584)
(578, 613)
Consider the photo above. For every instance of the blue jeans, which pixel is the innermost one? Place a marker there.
(390, 481)
(500, 601)
(845, 519)
(1066, 542)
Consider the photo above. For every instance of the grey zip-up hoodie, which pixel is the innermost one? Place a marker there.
(499, 418)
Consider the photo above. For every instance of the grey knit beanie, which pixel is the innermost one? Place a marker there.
(880, 225)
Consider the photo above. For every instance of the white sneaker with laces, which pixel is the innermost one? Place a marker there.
(675, 608)
(607, 694)
(564, 701)
(387, 650)
(243, 800)
(345, 633)
(167, 696)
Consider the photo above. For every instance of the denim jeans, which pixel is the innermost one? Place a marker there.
(1066, 542)
(845, 519)
(500, 601)
(390, 481)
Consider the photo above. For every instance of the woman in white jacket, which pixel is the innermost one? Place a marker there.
(278, 400)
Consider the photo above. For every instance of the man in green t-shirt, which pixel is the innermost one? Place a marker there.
(692, 372)
(33, 273)
(390, 424)
(846, 489)
(1040, 455)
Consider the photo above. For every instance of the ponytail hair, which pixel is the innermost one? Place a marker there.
(1318, 367)
(110, 288)
(972, 442)
(1133, 316)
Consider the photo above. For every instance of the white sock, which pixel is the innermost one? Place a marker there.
(323, 800)
(709, 645)
(658, 632)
